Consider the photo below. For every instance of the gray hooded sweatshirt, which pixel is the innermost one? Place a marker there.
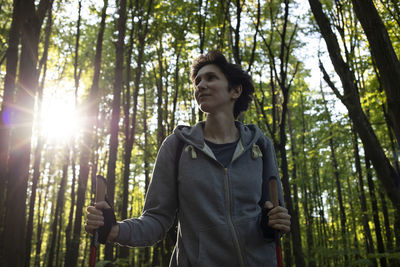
(217, 208)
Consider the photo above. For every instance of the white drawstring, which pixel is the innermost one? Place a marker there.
(193, 151)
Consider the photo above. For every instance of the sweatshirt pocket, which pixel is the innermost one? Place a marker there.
(216, 248)
(258, 251)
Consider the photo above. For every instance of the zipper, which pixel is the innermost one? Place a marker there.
(229, 215)
(236, 155)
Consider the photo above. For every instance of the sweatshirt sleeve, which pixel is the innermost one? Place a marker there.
(161, 202)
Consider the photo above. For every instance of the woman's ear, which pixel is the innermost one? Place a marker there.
(236, 91)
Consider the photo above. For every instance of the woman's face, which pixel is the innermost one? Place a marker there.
(212, 92)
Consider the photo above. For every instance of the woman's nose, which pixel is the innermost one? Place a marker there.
(201, 85)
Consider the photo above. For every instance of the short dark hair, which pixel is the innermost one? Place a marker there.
(234, 74)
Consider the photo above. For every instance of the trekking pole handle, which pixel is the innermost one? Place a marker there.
(273, 191)
(100, 188)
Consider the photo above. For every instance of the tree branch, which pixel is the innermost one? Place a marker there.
(329, 81)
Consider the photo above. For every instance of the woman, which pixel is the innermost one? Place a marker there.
(216, 190)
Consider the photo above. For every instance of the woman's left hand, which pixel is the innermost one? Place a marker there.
(278, 217)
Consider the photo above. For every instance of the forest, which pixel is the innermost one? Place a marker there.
(94, 87)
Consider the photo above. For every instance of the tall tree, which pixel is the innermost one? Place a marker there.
(91, 104)
(307, 203)
(337, 180)
(40, 142)
(126, 100)
(116, 110)
(57, 216)
(202, 13)
(235, 31)
(41, 209)
(138, 39)
(363, 200)
(378, 231)
(281, 79)
(31, 20)
(388, 230)
(73, 165)
(8, 95)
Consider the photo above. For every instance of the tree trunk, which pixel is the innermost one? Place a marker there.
(296, 212)
(131, 130)
(201, 23)
(71, 257)
(353, 218)
(130, 123)
(22, 119)
(323, 233)
(86, 250)
(201, 27)
(124, 251)
(295, 225)
(375, 212)
(321, 209)
(59, 237)
(307, 203)
(388, 230)
(163, 66)
(77, 73)
(384, 56)
(8, 94)
(146, 163)
(162, 98)
(41, 209)
(285, 85)
(255, 44)
(116, 110)
(161, 115)
(40, 142)
(337, 180)
(59, 207)
(176, 93)
(39, 231)
(146, 142)
(279, 75)
(160, 110)
(397, 231)
(68, 229)
(235, 35)
(365, 221)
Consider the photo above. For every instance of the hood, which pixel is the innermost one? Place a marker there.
(193, 135)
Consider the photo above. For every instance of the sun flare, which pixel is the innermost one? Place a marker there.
(59, 119)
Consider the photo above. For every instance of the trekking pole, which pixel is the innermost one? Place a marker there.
(273, 192)
(100, 196)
